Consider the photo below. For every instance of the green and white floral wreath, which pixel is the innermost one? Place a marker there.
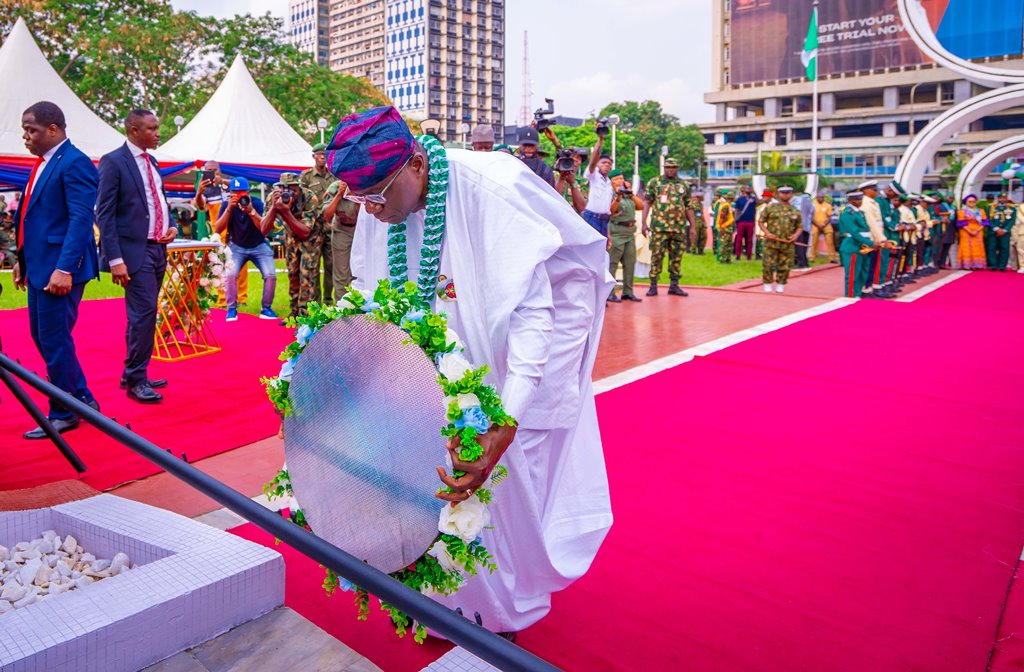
(473, 407)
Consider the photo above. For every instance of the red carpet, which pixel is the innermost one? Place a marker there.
(845, 494)
(212, 403)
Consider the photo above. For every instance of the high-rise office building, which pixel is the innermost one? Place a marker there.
(357, 39)
(307, 27)
(876, 88)
(445, 59)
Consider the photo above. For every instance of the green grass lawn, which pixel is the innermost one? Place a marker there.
(698, 270)
(703, 270)
(105, 289)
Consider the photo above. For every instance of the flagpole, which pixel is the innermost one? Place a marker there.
(814, 119)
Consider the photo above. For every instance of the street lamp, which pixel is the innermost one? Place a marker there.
(179, 121)
(664, 154)
(464, 129)
(614, 121)
(321, 123)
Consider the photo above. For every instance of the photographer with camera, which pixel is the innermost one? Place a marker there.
(528, 142)
(599, 199)
(211, 195)
(246, 237)
(566, 165)
(297, 208)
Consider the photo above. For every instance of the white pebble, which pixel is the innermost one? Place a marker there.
(47, 566)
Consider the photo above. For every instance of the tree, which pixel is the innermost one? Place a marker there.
(585, 137)
(780, 171)
(117, 55)
(652, 128)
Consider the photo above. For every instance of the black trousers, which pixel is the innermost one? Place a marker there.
(140, 297)
(801, 251)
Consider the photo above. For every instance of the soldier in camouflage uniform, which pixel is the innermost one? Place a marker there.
(669, 199)
(782, 224)
(699, 239)
(7, 240)
(724, 227)
(316, 180)
(303, 256)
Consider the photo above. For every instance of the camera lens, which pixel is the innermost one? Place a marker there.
(245, 201)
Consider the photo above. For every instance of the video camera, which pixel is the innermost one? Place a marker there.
(565, 163)
(540, 120)
(602, 128)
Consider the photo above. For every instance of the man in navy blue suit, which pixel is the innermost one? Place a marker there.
(135, 227)
(56, 251)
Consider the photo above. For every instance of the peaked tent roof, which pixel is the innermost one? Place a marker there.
(239, 125)
(29, 78)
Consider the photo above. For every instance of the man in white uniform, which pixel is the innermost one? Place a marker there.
(530, 281)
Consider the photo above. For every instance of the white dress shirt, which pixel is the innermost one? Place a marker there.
(144, 167)
(600, 197)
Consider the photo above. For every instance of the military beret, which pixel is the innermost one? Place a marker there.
(320, 147)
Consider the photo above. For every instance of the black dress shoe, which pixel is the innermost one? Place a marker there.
(631, 297)
(613, 299)
(60, 425)
(155, 384)
(144, 394)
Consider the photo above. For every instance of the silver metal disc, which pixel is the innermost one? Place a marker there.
(363, 440)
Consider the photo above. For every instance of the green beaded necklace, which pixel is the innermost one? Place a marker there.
(433, 229)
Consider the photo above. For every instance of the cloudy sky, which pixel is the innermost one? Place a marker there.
(585, 53)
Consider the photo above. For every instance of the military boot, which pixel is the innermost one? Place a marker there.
(675, 290)
(653, 291)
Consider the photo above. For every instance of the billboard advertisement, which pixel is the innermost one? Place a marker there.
(767, 36)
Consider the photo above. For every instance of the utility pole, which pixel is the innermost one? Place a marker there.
(526, 110)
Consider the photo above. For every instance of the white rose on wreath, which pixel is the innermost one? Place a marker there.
(465, 520)
(453, 366)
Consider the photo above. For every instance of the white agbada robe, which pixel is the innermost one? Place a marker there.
(531, 278)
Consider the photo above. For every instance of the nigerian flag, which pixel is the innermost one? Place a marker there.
(809, 57)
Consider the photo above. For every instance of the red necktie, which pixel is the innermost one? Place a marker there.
(24, 201)
(158, 208)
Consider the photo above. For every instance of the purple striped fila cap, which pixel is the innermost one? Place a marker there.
(368, 146)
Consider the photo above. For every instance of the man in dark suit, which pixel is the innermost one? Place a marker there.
(135, 227)
(56, 251)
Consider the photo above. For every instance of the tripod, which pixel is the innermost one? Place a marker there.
(37, 414)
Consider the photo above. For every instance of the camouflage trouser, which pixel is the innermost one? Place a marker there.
(778, 259)
(700, 237)
(327, 296)
(673, 243)
(303, 271)
(759, 248)
(724, 250)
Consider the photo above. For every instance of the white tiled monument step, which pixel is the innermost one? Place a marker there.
(191, 583)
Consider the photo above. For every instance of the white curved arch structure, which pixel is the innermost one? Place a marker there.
(921, 151)
(910, 172)
(915, 20)
(972, 177)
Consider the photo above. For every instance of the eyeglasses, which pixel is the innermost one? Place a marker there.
(378, 198)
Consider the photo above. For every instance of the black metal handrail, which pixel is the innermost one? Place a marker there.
(486, 645)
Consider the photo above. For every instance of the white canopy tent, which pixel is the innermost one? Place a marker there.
(29, 78)
(239, 125)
